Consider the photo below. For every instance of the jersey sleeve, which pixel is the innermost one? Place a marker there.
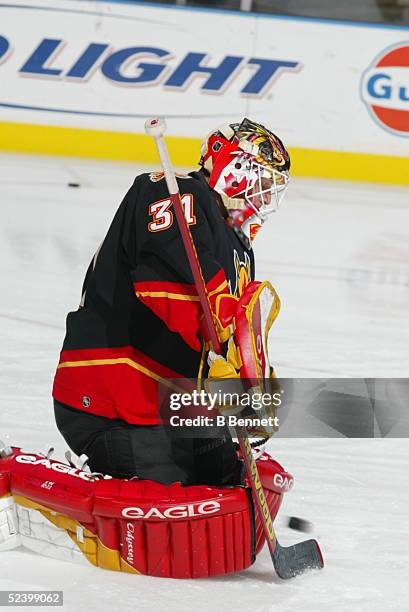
(162, 278)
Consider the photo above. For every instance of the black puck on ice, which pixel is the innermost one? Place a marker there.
(73, 184)
(299, 524)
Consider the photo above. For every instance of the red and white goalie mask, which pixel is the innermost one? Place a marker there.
(249, 168)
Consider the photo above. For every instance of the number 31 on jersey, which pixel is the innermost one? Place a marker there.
(162, 217)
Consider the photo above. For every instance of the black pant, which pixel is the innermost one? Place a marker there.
(150, 452)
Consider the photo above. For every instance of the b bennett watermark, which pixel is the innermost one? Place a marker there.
(290, 407)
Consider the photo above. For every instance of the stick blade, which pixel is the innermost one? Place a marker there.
(290, 561)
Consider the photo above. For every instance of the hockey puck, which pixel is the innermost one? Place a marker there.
(299, 524)
(73, 184)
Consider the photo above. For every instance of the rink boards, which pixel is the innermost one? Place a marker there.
(81, 79)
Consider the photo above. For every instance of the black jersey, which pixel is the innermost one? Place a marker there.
(138, 321)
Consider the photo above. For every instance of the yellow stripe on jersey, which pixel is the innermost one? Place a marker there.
(218, 289)
(165, 294)
(118, 361)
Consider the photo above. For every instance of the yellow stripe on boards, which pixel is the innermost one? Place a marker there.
(123, 146)
(97, 144)
(349, 166)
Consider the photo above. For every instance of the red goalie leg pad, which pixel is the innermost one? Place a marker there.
(4, 484)
(55, 485)
(137, 526)
(178, 532)
(4, 475)
(141, 526)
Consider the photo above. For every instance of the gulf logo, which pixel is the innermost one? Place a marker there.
(385, 89)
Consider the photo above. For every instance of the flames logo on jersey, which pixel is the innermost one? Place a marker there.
(155, 177)
(243, 273)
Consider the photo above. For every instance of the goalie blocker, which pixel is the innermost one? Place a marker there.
(136, 526)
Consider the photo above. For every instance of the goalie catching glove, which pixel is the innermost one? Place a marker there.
(247, 354)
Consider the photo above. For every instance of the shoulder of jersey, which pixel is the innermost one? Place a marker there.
(184, 180)
(158, 177)
(186, 183)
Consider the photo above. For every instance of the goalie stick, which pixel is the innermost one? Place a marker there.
(288, 561)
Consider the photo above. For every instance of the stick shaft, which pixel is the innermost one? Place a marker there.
(257, 489)
(286, 562)
(251, 467)
(187, 240)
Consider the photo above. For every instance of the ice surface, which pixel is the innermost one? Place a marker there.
(338, 255)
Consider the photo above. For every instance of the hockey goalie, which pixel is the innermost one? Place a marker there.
(138, 498)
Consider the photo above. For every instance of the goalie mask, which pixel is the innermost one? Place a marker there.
(249, 167)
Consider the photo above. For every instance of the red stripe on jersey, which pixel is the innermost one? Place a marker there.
(112, 382)
(177, 304)
(167, 287)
